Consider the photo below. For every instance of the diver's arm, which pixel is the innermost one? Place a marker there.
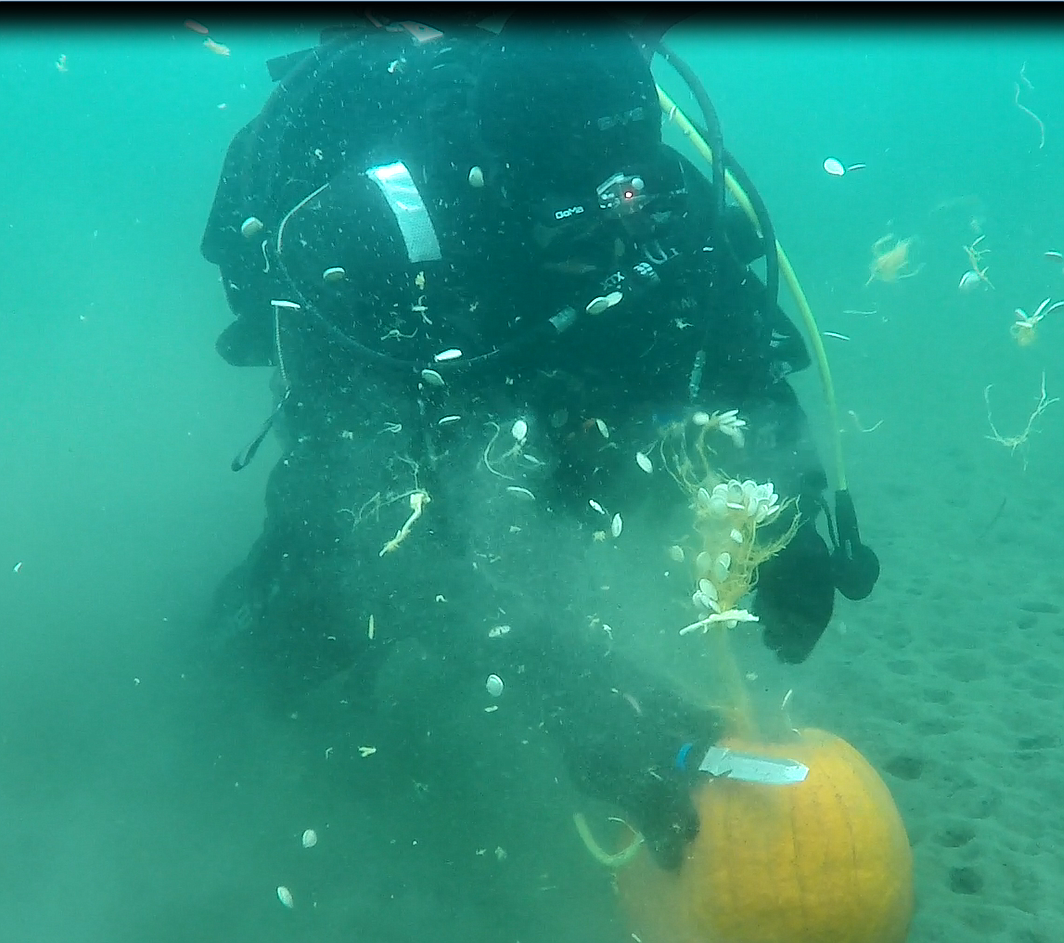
(621, 731)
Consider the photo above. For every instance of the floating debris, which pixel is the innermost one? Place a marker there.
(603, 302)
(835, 167)
(219, 49)
(418, 500)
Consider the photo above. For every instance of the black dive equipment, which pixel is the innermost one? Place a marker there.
(620, 194)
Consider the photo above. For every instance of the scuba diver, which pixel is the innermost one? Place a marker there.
(484, 283)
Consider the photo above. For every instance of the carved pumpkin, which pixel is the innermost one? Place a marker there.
(822, 861)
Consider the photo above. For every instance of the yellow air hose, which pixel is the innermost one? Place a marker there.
(677, 117)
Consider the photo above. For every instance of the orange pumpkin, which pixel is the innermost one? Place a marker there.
(826, 860)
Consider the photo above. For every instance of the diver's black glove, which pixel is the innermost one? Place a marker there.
(659, 803)
(623, 748)
(796, 595)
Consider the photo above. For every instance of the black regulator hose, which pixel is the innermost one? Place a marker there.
(713, 136)
(768, 232)
(723, 160)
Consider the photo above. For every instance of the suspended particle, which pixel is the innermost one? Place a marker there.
(835, 167)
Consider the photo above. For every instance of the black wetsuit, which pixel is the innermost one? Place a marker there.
(509, 568)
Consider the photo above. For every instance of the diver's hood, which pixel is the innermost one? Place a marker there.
(564, 106)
